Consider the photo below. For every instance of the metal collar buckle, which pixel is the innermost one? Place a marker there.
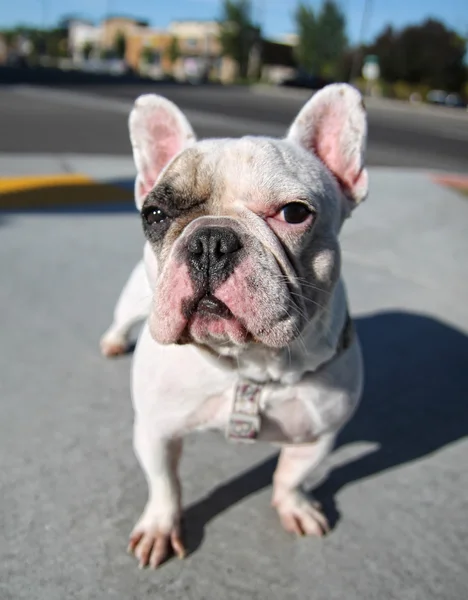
(244, 421)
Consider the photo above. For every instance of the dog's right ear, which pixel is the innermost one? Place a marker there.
(158, 131)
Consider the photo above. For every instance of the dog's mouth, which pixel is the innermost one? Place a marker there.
(210, 306)
(209, 320)
(206, 306)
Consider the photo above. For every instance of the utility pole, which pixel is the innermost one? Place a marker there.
(44, 14)
(364, 24)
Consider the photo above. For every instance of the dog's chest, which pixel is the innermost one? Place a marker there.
(283, 416)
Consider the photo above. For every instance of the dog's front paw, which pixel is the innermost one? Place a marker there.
(151, 544)
(113, 344)
(299, 514)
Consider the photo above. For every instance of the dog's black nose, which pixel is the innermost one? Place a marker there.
(213, 251)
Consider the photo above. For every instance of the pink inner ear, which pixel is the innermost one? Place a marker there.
(164, 140)
(331, 145)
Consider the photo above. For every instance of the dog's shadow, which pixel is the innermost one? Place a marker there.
(414, 403)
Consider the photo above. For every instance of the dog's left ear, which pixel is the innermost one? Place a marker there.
(333, 126)
(158, 131)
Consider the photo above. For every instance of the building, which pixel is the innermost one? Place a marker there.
(278, 62)
(189, 50)
(82, 33)
(102, 38)
(112, 27)
(200, 52)
(146, 52)
(290, 39)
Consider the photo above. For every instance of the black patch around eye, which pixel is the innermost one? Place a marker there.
(173, 201)
(296, 212)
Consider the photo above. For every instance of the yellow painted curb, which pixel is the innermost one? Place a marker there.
(61, 190)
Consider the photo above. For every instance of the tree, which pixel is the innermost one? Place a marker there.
(87, 50)
(238, 34)
(147, 55)
(322, 39)
(306, 30)
(120, 45)
(429, 54)
(331, 38)
(173, 50)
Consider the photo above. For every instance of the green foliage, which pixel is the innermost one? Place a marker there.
(120, 45)
(306, 25)
(173, 50)
(87, 50)
(44, 42)
(322, 39)
(238, 33)
(430, 54)
(147, 55)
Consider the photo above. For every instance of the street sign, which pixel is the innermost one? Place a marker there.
(371, 68)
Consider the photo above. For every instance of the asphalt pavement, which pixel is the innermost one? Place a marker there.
(75, 119)
(70, 486)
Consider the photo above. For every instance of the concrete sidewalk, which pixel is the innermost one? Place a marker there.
(71, 488)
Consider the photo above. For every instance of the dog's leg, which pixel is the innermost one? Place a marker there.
(158, 529)
(299, 514)
(132, 306)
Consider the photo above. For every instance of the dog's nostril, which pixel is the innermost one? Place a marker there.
(195, 246)
(228, 244)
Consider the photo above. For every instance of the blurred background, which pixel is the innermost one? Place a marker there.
(408, 50)
(254, 61)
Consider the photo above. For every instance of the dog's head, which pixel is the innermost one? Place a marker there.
(245, 231)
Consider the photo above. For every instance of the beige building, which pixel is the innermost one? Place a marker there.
(114, 26)
(146, 52)
(200, 51)
(197, 37)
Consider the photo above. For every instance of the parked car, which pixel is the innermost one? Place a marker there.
(443, 98)
(436, 96)
(455, 101)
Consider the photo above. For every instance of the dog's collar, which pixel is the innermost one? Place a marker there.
(245, 418)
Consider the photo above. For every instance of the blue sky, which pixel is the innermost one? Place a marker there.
(275, 15)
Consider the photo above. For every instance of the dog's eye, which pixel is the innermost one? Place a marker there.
(154, 215)
(295, 212)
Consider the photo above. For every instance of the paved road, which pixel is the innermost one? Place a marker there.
(61, 120)
(70, 486)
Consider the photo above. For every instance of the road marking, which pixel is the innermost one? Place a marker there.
(58, 190)
(12, 184)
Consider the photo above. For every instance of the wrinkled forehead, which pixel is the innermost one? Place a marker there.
(249, 170)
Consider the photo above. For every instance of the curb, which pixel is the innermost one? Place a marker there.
(456, 182)
(59, 190)
(101, 180)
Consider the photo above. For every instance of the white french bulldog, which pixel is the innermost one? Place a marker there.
(248, 329)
